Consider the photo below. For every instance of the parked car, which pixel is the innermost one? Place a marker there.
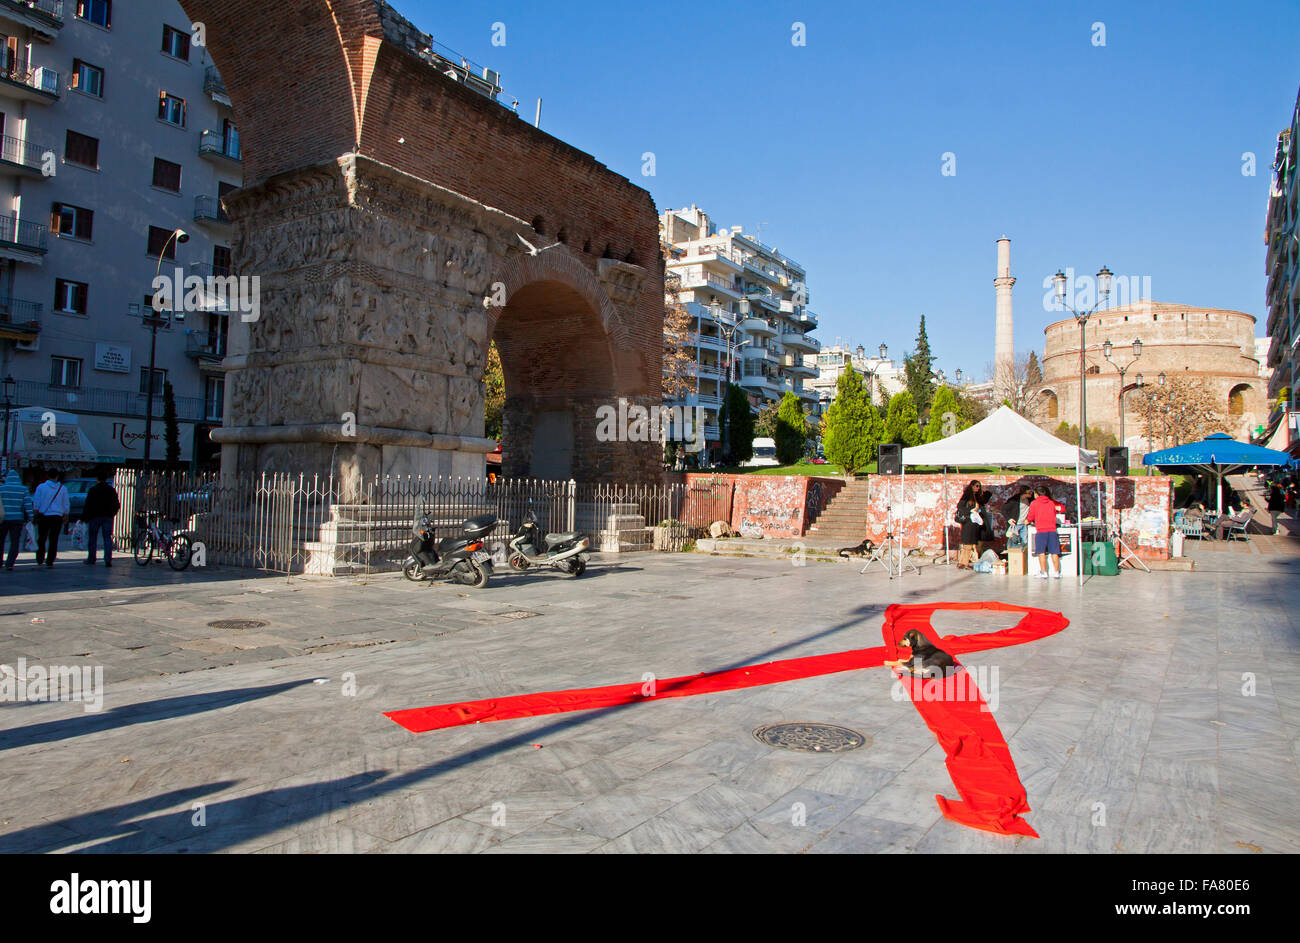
(764, 453)
(77, 488)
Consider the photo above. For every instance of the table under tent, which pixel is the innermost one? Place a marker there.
(1005, 439)
(1218, 455)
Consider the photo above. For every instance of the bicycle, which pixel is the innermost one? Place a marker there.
(175, 546)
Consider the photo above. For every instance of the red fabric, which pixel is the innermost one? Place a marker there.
(1042, 514)
(979, 761)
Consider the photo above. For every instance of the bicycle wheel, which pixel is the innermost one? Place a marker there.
(144, 549)
(179, 551)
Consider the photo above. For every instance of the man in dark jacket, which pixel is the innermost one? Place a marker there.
(1015, 512)
(102, 505)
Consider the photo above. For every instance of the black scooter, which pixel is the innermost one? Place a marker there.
(463, 559)
(566, 552)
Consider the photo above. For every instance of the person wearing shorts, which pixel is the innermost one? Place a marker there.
(1047, 543)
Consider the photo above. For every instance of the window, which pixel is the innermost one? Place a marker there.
(161, 241)
(221, 260)
(176, 43)
(171, 109)
(99, 12)
(159, 378)
(74, 221)
(65, 371)
(70, 297)
(88, 78)
(166, 175)
(230, 139)
(214, 397)
(81, 149)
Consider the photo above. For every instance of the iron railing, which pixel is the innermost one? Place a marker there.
(210, 208)
(24, 153)
(16, 314)
(107, 402)
(23, 234)
(213, 83)
(214, 142)
(51, 8)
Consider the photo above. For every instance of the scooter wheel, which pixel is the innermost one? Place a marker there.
(574, 566)
(471, 574)
(517, 561)
(411, 570)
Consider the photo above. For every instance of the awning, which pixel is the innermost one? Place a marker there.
(42, 436)
(1218, 455)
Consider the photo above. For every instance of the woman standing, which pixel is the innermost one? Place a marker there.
(971, 530)
(1276, 505)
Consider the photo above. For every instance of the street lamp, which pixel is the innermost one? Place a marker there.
(1103, 292)
(872, 371)
(728, 332)
(1106, 349)
(10, 384)
(153, 319)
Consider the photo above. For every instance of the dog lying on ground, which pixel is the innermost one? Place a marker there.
(926, 660)
(861, 550)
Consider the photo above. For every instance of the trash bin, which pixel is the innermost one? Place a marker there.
(1099, 559)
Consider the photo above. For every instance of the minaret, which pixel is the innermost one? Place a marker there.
(1004, 350)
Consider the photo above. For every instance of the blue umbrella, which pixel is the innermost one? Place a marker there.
(1217, 455)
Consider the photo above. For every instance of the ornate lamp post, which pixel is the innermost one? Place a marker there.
(1106, 349)
(153, 319)
(871, 372)
(728, 332)
(1103, 292)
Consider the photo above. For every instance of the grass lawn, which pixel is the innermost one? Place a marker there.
(802, 468)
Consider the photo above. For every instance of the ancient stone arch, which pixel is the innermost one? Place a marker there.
(387, 209)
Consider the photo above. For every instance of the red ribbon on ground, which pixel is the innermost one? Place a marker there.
(979, 760)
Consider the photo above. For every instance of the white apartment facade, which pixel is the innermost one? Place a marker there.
(116, 132)
(881, 375)
(747, 302)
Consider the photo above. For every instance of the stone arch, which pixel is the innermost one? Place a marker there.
(1051, 405)
(1237, 397)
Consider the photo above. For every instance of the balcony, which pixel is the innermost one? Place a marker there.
(757, 353)
(43, 17)
(710, 282)
(206, 348)
(20, 320)
(713, 256)
(214, 146)
(19, 158)
(215, 87)
(105, 402)
(208, 209)
(757, 327)
(20, 81)
(793, 366)
(771, 302)
(21, 240)
(753, 381)
(801, 342)
(807, 320)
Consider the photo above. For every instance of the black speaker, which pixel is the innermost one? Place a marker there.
(1117, 461)
(889, 459)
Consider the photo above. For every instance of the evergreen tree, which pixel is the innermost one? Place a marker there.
(945, 416)
(791, 430)
(901, 425)
(739, 446)
(171, 428)
(494, 393)
(1033, 371)
(765, 421)
(851, 427)
(917, 367)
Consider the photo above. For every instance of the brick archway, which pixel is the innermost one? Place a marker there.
(384, 203)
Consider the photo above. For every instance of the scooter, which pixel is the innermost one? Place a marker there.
(566, 552)
(463, 559)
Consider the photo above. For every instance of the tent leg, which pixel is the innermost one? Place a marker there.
(1078, 523)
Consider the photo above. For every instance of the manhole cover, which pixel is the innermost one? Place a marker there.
(234, 625)
(811, 738)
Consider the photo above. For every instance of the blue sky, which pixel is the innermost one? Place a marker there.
(1128, 155)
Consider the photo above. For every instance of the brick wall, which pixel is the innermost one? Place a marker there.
(1144, 506)
(781, 506)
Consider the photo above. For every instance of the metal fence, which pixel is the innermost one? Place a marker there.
(298, 524)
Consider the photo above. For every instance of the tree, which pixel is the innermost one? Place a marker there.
(1098, 438)
(791, 430)
(918, 367)
(851, 428)
(739, 446)
(1182, 410)
(1033, 370)
(901, 424)
(171, 428)
(679, 347)
(946, 416)
(765, 421)
(494, 393)
(971, 410)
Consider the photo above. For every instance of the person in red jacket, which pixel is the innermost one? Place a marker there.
(1042, 514)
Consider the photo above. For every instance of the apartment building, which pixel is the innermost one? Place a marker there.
(748, 306)
(116, 132)
(1282, 266)
(879, 373)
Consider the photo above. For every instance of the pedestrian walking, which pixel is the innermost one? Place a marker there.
(1042, 514)
(972, 525)
(51, 504)
(17, 503)
(1276, 505)
(102, 505)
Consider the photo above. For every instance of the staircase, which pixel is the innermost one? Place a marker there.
(845, 518)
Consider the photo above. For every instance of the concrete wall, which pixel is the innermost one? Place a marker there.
(781, 506)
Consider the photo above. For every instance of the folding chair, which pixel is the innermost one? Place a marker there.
(1238, 531)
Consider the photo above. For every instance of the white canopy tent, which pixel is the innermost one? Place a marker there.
(1005, 439)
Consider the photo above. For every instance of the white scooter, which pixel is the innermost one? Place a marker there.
(566, 552)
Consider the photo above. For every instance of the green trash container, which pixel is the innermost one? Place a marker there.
(1099, 559)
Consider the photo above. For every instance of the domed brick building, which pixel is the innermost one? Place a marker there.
(1216, 345)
